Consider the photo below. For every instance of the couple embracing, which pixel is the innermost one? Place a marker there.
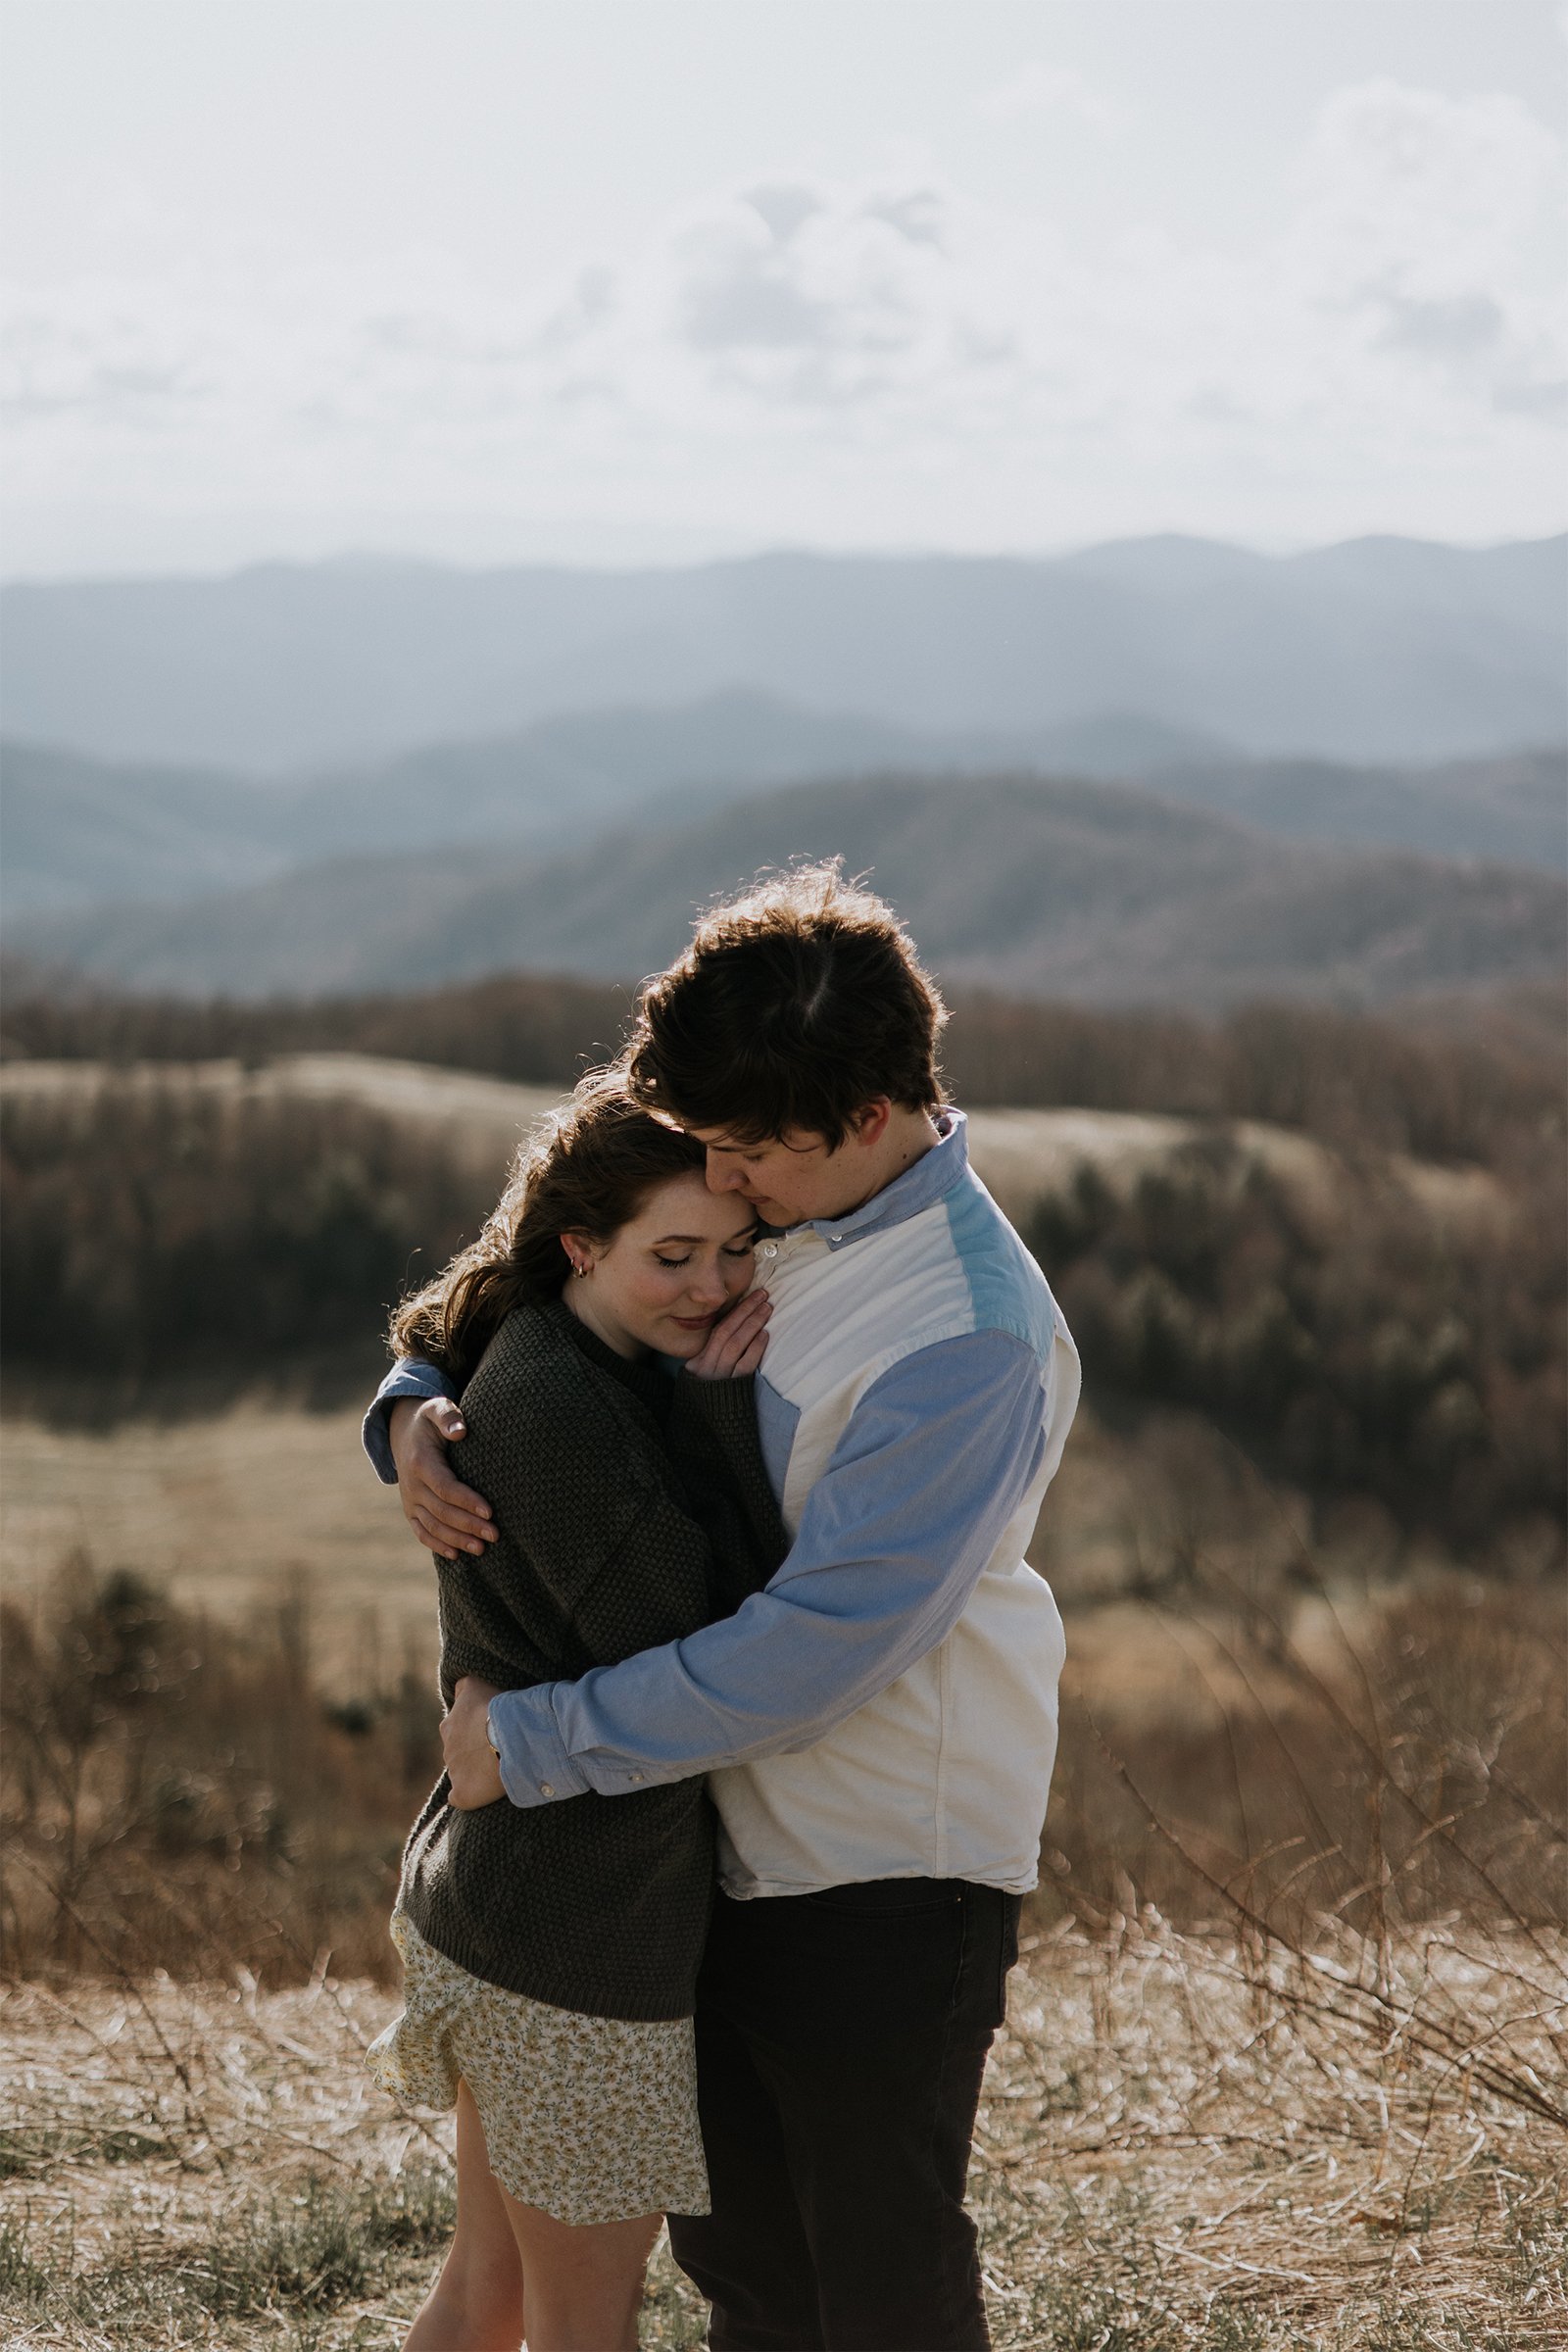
(752, 1698)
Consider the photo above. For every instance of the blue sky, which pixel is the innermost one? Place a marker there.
(612, 283)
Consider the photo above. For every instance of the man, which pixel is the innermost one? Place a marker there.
(878, 1726)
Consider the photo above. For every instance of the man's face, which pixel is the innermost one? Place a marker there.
(792, 1179)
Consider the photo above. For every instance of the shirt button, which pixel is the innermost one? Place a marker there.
(546, 1789)
(768, 1249)
(636, 1780)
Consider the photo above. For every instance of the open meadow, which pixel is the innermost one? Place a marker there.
(1188, 2140)
(1286, 2059)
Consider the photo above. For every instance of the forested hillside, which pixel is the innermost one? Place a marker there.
(1336, 1242)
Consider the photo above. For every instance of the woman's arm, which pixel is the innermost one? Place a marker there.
(713, 1440)
(600, 1548)
(480, 1633)
(609, 1610)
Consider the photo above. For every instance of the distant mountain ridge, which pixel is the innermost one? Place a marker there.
(77, 831)
(1376, 650)
(1071, 888)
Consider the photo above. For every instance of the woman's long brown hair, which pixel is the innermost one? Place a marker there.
(587, 1170)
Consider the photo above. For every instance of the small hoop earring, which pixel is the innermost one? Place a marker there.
(581, 1273)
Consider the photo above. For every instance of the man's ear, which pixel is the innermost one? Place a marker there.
(870, 1124)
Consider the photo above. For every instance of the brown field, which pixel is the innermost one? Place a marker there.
(228, 1511)
(223, 1512)
(1330, 2110)
(1184, 2144)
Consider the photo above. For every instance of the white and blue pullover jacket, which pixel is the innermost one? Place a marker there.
(887, 1707)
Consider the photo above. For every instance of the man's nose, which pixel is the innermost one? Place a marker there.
(724, 1174)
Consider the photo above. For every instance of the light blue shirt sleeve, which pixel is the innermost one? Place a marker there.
(410, 1376)
(933, 1463)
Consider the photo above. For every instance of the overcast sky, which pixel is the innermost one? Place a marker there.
(645, 280)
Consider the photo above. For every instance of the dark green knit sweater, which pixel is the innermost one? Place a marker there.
(632, 1508)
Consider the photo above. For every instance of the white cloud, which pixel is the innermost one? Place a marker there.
(1435, 224)
(869, 361)
(783, 206)
(1039, 90)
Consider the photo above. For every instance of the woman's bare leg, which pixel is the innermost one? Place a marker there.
(476, 2303)
(585, 2284)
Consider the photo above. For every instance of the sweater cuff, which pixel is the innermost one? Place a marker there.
(725, 1405)
(535, 1768)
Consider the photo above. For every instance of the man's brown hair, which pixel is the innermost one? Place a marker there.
(793, 1006)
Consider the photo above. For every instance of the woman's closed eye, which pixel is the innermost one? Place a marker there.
(740, 1249)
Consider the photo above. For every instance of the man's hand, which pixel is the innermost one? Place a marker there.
(445, 1515)
(474, 1769)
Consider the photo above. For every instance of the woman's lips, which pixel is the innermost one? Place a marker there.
(695, 1322)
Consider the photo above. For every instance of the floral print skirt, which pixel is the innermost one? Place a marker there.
(591, 2118)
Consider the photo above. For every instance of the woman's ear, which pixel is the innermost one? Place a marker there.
(579, 1252)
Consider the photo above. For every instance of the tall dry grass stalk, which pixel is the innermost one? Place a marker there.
(179, 1794)
(1396, 1773)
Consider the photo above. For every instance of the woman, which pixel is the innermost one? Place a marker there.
(550, 1954)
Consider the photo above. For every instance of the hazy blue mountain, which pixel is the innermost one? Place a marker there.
(73, 830)
(569, 775)
(1513, 808)
(77, 831)
(1079, 888)
(1384, 650)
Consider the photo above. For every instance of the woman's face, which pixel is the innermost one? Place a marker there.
(664, 1280)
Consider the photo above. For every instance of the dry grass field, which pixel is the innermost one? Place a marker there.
(224, 1510)
(1327, 2109)
(1187, 2141)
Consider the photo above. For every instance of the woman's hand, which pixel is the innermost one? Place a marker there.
(735, 1345)
(474, 1769)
